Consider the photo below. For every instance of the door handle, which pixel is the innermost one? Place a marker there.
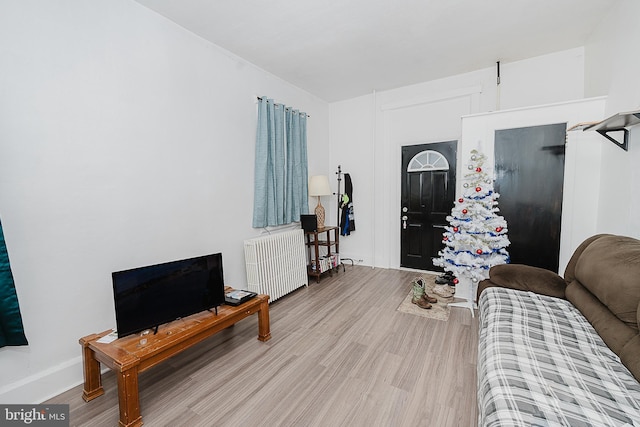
(404, 222)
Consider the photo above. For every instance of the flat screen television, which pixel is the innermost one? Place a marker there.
(149, 296)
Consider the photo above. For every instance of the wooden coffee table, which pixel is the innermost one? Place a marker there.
(130, 355)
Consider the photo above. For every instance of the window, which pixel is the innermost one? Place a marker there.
(428, 160)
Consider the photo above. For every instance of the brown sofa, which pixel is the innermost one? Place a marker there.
(602, 280)
(562, 351)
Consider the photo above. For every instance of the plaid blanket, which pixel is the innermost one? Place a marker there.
(541, 363)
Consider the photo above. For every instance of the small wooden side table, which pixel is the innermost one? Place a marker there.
(127, 356)
(316, 265)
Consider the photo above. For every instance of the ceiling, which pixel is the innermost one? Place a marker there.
(340, 49)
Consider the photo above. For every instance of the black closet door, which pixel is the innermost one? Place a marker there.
(529, 166)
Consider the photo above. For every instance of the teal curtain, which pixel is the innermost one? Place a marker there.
(268, 201)
(296, 202)
(11, 330)
(280, 181)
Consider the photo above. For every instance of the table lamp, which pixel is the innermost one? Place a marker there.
(319, 186)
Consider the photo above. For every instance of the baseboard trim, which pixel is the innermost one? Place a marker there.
(44, 385)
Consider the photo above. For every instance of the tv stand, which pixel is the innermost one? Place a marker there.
(128, 356)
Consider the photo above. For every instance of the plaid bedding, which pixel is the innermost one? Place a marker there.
(540, 363)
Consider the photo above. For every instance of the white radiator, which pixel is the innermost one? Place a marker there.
(276, 264)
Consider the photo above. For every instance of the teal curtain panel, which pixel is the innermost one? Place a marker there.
(269, 170)
(11, 330)
(297, 200)
(280, 180)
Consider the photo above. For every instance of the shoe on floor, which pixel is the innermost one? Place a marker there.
(420, 302)
(429, 299)
(443, 291)
(440, 280)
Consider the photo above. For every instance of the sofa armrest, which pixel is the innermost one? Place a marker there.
(525, 278)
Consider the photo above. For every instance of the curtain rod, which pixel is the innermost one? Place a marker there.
(260, 99)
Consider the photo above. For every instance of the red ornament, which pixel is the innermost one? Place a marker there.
(464, 211)
(444, 239)
(498, 229)
(478, 169)
(455, 229)
(479, 251)
(478, 189)
(460, 200)
(456, 281)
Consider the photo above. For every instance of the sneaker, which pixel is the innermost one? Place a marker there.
(443, 291)
(441, 280)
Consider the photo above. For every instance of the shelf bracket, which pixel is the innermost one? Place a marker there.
(625, 137)
(610, 128)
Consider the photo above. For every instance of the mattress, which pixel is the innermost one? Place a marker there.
(541, 363)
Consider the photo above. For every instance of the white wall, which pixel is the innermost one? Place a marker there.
(125, 140)
(355, 154)
(613, 67)
(367, 134)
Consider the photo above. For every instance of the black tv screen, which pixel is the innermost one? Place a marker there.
(149, 296)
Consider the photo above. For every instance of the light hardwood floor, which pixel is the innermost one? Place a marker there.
(340, 355)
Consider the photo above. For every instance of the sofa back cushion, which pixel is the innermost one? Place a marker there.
(570, 270)
(609, 268)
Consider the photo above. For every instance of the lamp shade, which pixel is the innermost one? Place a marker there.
(319, 186)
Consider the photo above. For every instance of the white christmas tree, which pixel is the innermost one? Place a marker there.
(476, 238)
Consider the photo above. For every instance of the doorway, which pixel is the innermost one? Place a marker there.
(427, 195)
(529, 166)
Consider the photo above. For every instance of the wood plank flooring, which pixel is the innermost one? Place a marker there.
(340, 355)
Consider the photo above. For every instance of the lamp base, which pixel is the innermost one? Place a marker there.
(319, 211)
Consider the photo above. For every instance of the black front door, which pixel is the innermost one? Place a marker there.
(529, 178)
(428, 191)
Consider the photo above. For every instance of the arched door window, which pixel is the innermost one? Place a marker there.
(428, 160)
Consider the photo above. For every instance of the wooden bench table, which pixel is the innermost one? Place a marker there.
(128, 356)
